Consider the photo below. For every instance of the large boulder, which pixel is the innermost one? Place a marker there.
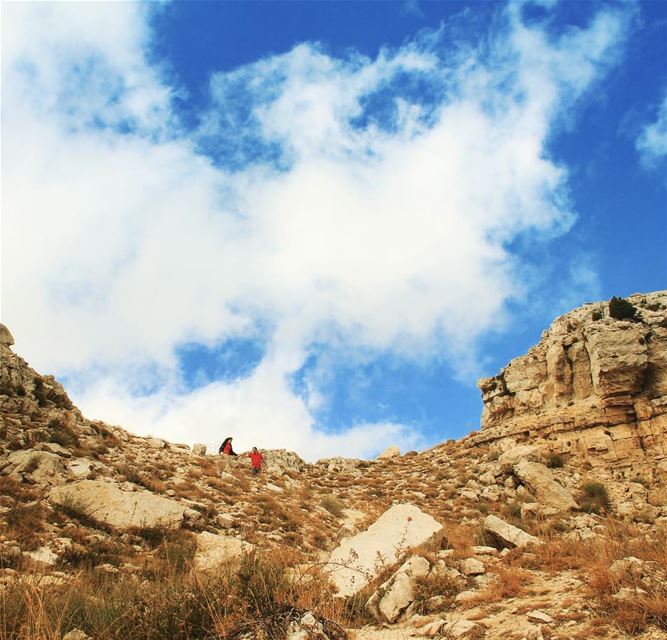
(359, 559)
(214, 550)
(508, 534)
(539, 479)
(41, 467)
(107, 502)
(280, 460)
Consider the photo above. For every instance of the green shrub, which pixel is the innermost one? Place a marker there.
(594, 498)
(621, 309)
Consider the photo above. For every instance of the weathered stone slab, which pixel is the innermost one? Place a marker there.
(508, 534)
(539, 479)
(359, 559)
(108, 503)
(42, 467)
(397, 594)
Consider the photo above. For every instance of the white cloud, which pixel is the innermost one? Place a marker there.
(122, 241)
(652, 141)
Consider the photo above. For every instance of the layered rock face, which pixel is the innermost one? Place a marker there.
(594, 387)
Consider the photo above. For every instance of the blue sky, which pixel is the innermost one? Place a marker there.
(314, 225)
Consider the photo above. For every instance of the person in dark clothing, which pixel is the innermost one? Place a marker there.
(226, 448)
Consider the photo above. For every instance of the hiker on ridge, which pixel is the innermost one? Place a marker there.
(256, 459)
(226, 448)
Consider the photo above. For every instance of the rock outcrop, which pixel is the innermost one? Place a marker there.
(359, 559)
(106, 502)
(594, 387)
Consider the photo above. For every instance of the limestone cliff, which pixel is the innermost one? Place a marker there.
(594, 386)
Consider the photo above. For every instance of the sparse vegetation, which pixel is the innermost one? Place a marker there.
(621, 309)
(555, 461)
(333, 505)
(594, 498)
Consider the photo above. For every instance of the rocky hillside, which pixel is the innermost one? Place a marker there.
(551, 522)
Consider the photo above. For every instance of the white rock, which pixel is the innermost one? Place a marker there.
(543, 484)
(396, 594)
(509, 535)
(484, 551)
(199, 449)
(224, 520)
(54, 447)
(460, 629)
(76, 634)
(214, 550)
(359, 559)
(80, 467)
(539, 616)
(156, 443)
(472, 567)
(508, 459)
(41, 467)
(390, 452)
(108, 503)
(43, 555)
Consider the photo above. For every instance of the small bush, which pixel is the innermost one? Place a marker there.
(61, 433)
(594, 498)
(621, 309)
(334, 506)
(555, 461)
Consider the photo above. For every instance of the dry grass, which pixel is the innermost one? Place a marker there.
(25, 523)
(173, 602)
(595, 557)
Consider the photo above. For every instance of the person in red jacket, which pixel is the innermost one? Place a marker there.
(256, 459)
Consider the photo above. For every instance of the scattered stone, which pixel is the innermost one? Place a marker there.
(156, 443)
(76, 634)
(43, 555)
(461, 629)
(472, 567)
(199, 449)
(539, 616)
(508, 534)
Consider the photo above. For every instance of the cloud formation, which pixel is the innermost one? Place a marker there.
(366, 203)
(652, 141)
